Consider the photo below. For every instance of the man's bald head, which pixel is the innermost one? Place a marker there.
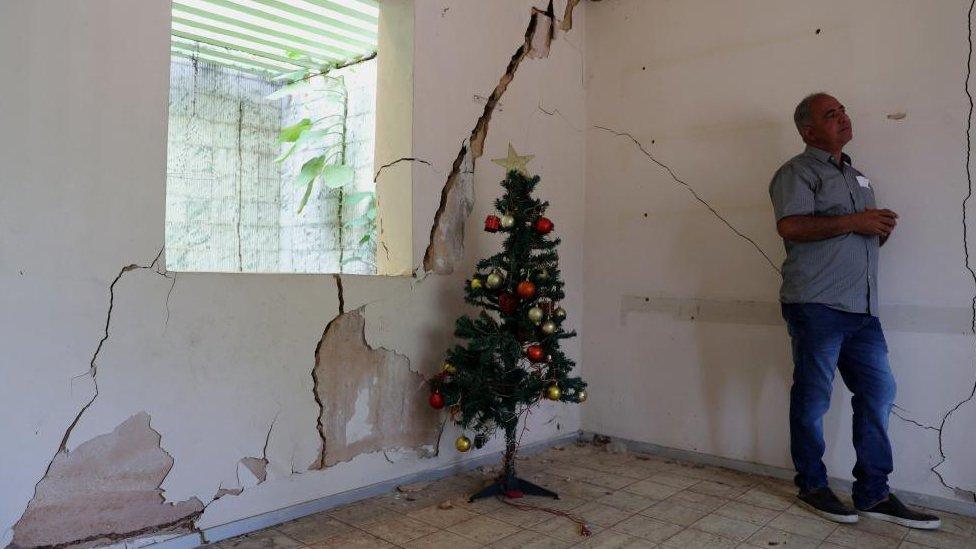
(823, 122)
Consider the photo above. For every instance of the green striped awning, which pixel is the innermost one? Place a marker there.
(273, 37)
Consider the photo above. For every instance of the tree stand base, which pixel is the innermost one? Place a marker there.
(511, 486)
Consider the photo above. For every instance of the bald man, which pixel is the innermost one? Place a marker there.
(832, 229)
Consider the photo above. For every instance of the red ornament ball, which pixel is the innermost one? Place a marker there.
(492, 223)
(507, 302)
(436, 401)
(543, 225)
(535, 353)
(525, 289)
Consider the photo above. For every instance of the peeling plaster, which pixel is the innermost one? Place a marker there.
(107, 488)
(446, 246)
(394, 414)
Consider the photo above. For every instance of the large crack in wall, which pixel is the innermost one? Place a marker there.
(970, 491)
(106, 489)
(446, 245)
(697, 196)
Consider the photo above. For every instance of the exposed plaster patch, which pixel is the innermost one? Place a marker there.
(694, 193)
(544, 32)
(446, 246)
(106, 489)
(567, 21)
(395, 414)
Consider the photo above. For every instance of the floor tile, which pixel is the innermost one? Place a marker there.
(677, 481)
(399, 530)
(808, 527)
(772, 537)
(674, 513)
(527, 539)
(564, 529)
(314, 528)
(846, 536)
(940, 539)
(762, 496)
(696, 539)
(627, 501)
(442, 518)
(609, 539)
(650, 489)
(442, 540)
(726, 527)
(357, 539)
(265, 539)
(647, 528)
(702, 502)
(483, 529)
(721, 489)
(600, 514)
(747, 512)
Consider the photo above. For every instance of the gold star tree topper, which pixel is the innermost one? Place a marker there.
(514, 161)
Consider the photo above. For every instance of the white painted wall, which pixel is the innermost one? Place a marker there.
(216, 357)
(708, 88)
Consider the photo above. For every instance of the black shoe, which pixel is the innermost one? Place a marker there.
(823, 502)
(893, 510)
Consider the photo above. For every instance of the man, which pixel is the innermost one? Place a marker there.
(827, 215)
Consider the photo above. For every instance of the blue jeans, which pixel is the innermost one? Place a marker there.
(825, 340)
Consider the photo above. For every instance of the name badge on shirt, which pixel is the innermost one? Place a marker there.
(863, 181)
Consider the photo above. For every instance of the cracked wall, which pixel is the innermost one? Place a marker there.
(690, 114)
(371, 400)
(221, 362)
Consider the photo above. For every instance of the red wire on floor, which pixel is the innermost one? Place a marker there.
(584, 530)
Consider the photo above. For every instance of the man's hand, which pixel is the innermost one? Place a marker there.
(872, 222)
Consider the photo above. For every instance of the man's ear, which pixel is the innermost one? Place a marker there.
(806, 133)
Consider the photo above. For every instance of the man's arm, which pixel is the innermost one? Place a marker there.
(808, 228)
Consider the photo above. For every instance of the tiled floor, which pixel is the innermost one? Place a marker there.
(627, 500)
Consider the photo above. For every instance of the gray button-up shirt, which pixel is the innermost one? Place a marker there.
(840, 272)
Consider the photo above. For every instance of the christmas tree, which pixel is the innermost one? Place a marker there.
(509, 357)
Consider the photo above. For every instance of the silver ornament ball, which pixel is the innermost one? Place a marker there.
(494, 280)
(535, 314)
(507, 221)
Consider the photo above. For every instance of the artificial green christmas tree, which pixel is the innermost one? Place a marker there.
(509, 357)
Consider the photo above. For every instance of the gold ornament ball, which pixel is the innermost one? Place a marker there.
(535, 314)
(542, 275)
(559, 313)
(449, 368)
(476, 283)
(494, 281)
(548, 327)
(581, 396)
(553, 392)
(507, 221)
(463, 443)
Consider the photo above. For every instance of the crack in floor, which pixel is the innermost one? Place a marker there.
(694, 193)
